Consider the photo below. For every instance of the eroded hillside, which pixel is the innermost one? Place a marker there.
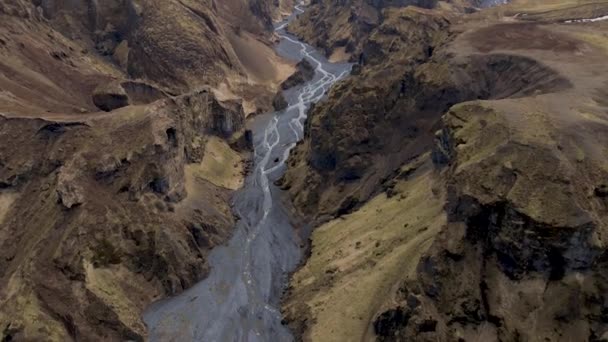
(460, 175)
(56, 54)
(122, 137)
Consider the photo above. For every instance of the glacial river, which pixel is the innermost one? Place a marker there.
(240, 299)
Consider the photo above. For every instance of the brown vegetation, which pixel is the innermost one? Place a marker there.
(512, 114)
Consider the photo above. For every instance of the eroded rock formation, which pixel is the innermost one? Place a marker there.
(102, 213)
(106, 217)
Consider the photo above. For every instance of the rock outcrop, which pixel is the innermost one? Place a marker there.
(279, 102)
(347, 24)
(62, 50)
(162, 40)
(304, 73)
(110, 96)
(524, 239)
(379, 126)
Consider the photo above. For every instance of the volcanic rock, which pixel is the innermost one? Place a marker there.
(304, 73)
(279, 102)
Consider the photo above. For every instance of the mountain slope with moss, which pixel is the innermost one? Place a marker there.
(497, 120)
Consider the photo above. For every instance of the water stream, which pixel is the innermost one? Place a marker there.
(240, 299)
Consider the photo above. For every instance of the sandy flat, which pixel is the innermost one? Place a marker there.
(339, 55)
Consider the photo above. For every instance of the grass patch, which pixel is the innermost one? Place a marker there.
(358, 260)
(109, 285)
(221, 165)
(598, 39)
(6, 200)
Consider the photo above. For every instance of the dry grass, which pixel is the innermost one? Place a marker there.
(558, 10)
(357, 260)
(546, 5)
(263, 70)
(222, 166)
(259, 60)
(27, 312)
(339, 55)
(594, 37)
(107, 285)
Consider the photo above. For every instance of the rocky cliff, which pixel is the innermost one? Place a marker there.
(102, 216)
(463, 160)
(342, 28)
(114, 116)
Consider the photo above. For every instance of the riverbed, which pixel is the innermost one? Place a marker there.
(240, 299)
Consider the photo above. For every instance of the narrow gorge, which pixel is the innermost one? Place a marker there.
(239, 299)
(274, 170)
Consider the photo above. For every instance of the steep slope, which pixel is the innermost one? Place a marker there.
(379, 127)
(102, 213)
(518, 166)
(362, 256)
(104, 216)
(341, 29)
(175, 45)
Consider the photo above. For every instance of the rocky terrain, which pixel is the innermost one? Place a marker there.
(341, 30)
(456, 181)
(122, 137)
(458, 176)
(55, 54)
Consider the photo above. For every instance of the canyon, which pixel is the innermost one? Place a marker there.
(123, 140)
(239, 300)
(266, 170)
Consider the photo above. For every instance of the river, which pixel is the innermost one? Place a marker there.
(240, 299)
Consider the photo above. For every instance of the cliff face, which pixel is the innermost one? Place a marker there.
(102, 216)
(524, 239)
(380, 126)
(163, 40)
(343, 28)
(463, 159)
(104, 212)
